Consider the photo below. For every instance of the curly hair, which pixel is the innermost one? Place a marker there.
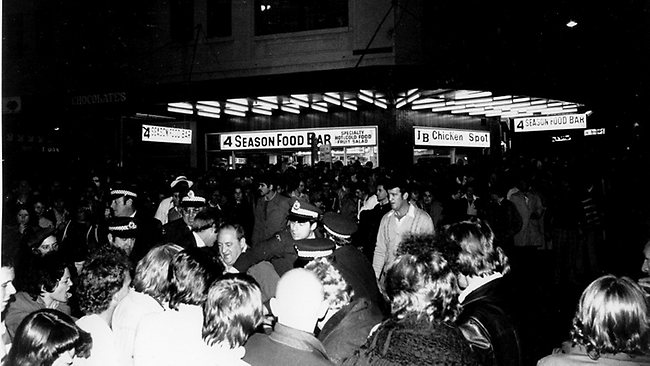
(101, 278)
(612, 317)
(43, 336)
(337, 292)
(232, 311)
(478, 255)
(190, 276)
(152, 271)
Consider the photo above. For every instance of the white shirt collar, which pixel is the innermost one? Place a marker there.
(476, 282)
(199, 242)
(409, 213)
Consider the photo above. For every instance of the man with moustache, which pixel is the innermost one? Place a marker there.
(271, 210)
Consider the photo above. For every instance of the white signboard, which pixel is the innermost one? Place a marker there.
(595, 132)
(166, 134)
(433, 136)
(546, 123)
(287, 139)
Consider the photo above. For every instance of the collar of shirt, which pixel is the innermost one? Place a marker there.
(199, 242)
(410, 213)
(475, 283)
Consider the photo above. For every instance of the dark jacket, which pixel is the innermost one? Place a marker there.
(347, 330)
(411, 341)
(148, 235)
(487, 324)
(285, 347)
(366, 236)
(179, 233)
(358, 273)
(279, 250)
(270, 217)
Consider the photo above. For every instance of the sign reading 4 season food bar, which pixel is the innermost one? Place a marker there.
(433, 136)
(166, 134)
(546, 123)
(288, 139)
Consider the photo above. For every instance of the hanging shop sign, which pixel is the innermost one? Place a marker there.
(547, 123)
(595, 131)
(434, 136)
(288, 139)
(166, 134)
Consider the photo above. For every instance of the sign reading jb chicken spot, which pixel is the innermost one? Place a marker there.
(288, 139)
(546, 123)
(433, 136)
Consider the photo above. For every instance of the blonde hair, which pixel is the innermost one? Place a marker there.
(611, 317)
(337, 292)
(152, 271)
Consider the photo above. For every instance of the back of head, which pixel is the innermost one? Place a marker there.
(101, 277)
(298, 299)
(478, 255)
(337, 291)
(43, 336)
(43, 275)
(151, 273)
(612, 317)
(232, 311)
(190, 275)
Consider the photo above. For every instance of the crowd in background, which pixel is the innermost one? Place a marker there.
(545, 223)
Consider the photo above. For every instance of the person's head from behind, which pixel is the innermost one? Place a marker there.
(299, 300)
(337, 292)
(48, 337)
(190, 276)
(478, 256)
(103, 282)
(232, 243)
(612, 317)
(232, 311)
(205, 225)
(152, 271)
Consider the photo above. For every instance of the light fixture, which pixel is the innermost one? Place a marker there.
(234, 112)
(349, 104)
(571, 23)
(381, 103)
(209, 109)
(208, 114)
(330, 99)
(290, 109)
(180, 110)
(265, 112)
(321, 107)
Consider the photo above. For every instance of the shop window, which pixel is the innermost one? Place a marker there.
(285, 16)
(181, 22)
(219, 18)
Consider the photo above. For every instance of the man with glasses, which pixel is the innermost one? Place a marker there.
(180, 231)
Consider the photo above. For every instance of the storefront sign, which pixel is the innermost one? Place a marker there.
(166, 134)
(433, 136)
(546, 123)
(105, 98)
(595, 131)
(287, 139)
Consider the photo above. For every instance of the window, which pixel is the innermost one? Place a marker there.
(284, 16)
(219, 18)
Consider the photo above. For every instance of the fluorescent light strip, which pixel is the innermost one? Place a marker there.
(502, 97)
(289, 109)
(428, 100)
(210, 103)
(240, 101)
(182, 105)
(473, 101)
(349, 105)
(234, 113)
(301, 97)
(333, 95)
(368, 93)
(208, 114)
(366, 98)
(473, 94)
(318, 107)
(447, 108)
(237, 107)
(331, 100)
(381, 104)
(428, 105)
(299, 102)
(205, 108)
(273, 100)
(265, 104)
(265, 112)
(180, 110)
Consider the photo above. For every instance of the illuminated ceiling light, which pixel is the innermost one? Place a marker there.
(469, 110)
(265, 112)
(208, 114)
(589, 113)
(538, 101)
(365, 98)
(331, 100)
(473, 100)
(289, 109)
(182, 105)
(303, 97)
(180, 110)
(265, 104)
(349, 105)
(210, 103)
(473, 94)
(299, 102)
(237, 107)
(502, 97)
(477, 112)
(56, 128)
(571, 23)
(381, 103)
(368, 93)
(209, 109)
(520, 100)
(447, 108)
(241, 101)
(270, 99)
(428, 100)
(428, 105)
(234, 113)
(319, 107)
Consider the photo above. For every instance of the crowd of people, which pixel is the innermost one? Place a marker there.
(324, 264)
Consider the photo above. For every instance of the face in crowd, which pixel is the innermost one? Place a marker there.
(381, 193)
(48, 245)
(121, 206)
(61, 292)
(230, 246)
(7, 288)
(646, 260)
(301, 229)
(263, 189)
(189, 213)
(397, 199)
